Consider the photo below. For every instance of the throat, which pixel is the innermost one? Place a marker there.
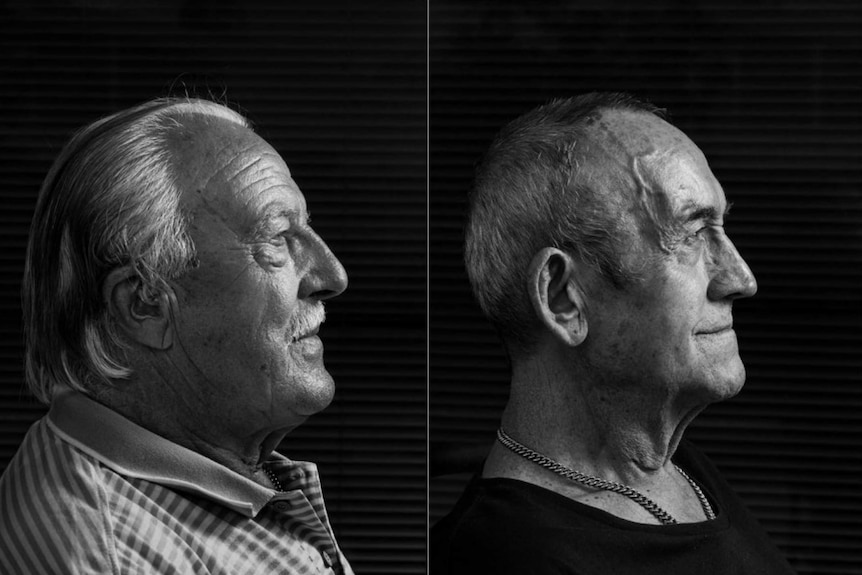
(594, 483)
(635, 446)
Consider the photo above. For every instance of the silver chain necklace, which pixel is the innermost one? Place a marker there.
(597, 483)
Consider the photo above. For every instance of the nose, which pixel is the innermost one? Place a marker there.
(731, 277)
(326, 277)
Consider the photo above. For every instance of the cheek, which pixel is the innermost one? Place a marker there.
(673, 312)
(690, 256)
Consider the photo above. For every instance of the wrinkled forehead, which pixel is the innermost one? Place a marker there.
(232, 175)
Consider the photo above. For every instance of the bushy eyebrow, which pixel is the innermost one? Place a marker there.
(707, 213)
(265, 226)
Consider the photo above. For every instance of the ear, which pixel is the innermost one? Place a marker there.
(143, 316)
(557, 297)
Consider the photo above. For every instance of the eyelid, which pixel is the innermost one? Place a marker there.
(710, 226)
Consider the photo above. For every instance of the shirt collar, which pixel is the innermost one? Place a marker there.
(133, 451)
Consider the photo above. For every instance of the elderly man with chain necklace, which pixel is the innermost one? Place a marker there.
(173, 294)
(596, 246)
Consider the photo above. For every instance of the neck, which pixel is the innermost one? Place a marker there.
(154, 404)
(625, 434)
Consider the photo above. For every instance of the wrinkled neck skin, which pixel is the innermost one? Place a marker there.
(158, 397)
(618, 432)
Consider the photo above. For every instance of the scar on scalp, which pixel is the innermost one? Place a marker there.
(570, 157)
(654, 207)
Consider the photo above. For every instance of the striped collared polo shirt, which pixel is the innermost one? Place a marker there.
(91, 492)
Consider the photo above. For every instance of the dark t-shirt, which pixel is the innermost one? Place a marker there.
(505, 526)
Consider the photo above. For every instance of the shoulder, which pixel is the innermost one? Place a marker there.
(697, 465)
(503, 526)
(54, 518)
(687, 454)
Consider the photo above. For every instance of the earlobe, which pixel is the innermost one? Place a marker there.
(557, 297)
(142, 314)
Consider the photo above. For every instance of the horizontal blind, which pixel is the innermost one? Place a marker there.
(773, 95)
(338, 88)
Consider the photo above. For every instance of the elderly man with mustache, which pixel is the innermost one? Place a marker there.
(172, 296)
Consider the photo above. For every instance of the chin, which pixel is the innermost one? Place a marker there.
(314, 392)
(729, 381)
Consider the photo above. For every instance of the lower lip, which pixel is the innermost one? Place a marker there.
(310, 344)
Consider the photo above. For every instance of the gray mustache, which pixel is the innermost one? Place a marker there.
(306, 320)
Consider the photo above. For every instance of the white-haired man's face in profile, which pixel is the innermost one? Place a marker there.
(249, 313)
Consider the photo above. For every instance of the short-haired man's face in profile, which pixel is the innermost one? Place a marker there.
(249, 313)
(671, 327)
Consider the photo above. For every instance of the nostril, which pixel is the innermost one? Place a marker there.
(325, 294)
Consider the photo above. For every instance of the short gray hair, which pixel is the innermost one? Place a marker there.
(529, 194)
(111, 199)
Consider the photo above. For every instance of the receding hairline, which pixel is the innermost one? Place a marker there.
(196, 143)
(196, 118)
(635, 132)
(195, 107)
(617, 140)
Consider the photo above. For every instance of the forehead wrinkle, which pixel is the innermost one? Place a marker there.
(249, 162)
(270, 167)
(229, 165)
(254, 162)
(273, 205)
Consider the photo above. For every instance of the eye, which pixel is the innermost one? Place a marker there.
(698, 235)
(282, 238)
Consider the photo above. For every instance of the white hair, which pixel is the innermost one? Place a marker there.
(111, 199)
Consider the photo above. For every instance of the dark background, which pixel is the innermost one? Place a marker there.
(339, 88)
(772, 93)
